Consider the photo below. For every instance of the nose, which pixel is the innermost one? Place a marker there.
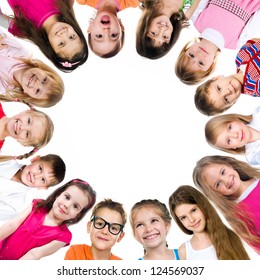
(105, 229)
(191, 218)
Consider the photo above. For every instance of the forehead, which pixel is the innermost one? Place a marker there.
(184, 208)
(109, 215)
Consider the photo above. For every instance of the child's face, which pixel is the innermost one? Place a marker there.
(234, 135)
(102, 239)
(36, 83)
(224, 91)
(149, 228)
(222, 178)
(191, 217)
(160, 30)
(38, 174)
(199, 57)
(105, 32)
(64, 40)
(69, 204)
(26, 128)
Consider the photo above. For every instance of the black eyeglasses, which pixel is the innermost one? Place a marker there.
(100, 223)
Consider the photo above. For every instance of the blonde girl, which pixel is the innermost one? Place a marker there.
(236, 134)
(52, 26)
(31, 128)
(211, 238)
(24, 78)
(42, 228)
(159, 27)
(233, 186)
(151, 222)
(197, 59)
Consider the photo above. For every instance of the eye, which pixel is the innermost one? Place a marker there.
(182, 218)
(27, 135)
(153, 33)
(230, 126)
(61, 43)
(222, 172)
(218, 88)
(72, 36)
(217, 184)
(194, 210)
(67, 197)
(154, 220)
(114, 35)
(99, 36)
(228, 141)
(191, 55)
(37, 91)
(165, 37)
(138, 225)
(201, 63)
(45, 80)
(43, 180)
(40, 168)
(29, 121)
(76, 206)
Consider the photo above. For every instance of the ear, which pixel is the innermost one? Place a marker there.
(168, 227)
(35, 159)
(88, 227)
(122, 234)
(90, 27)
(121, 25)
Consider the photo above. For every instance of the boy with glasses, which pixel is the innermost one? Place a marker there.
(105, 228)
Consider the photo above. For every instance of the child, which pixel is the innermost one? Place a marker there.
(159, 27)
(211, 238)
(236, 134)
(24, 78)
(197, 60)
(17, 179)
(42, 228)
(234, 188)
(151, 222)
(52, 26)
(106, 32)
(220, 93)
(105, 228)
(29, 128)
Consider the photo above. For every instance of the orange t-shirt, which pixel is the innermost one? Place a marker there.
(123, 4)
(83, 252)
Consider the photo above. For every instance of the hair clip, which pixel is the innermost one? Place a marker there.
(35, 150)
(68, 64)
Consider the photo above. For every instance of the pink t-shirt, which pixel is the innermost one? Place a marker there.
(228, 24)
(252, 203)
(32, 233)
(36, 11)
(2, 114)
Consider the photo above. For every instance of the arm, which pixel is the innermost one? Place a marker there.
(4, 20)
(43, 251)
(9, 227)
(192, 9)
(182, 252)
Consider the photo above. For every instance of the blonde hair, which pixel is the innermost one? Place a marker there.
(215, 126)
(16, 93)
(239, 218)
(186, 75)
(40, 143)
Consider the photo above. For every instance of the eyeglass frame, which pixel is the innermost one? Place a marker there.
(93, 219)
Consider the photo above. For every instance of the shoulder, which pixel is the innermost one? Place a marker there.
(77, 252)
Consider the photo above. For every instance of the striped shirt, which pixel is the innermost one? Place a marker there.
(249, 57)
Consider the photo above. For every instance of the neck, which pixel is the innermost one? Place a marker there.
(159, 253)
(243, 186)
(49, 22)
(100, 254)
(17, 176)
(108, 6)
(170, 7)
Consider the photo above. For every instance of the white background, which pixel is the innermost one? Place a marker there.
(129, 127)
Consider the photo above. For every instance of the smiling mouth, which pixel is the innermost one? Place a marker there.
(60, 31)
(204, 50)
(151, 237)
(31, 79)
(162, 23)
(15, 127)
